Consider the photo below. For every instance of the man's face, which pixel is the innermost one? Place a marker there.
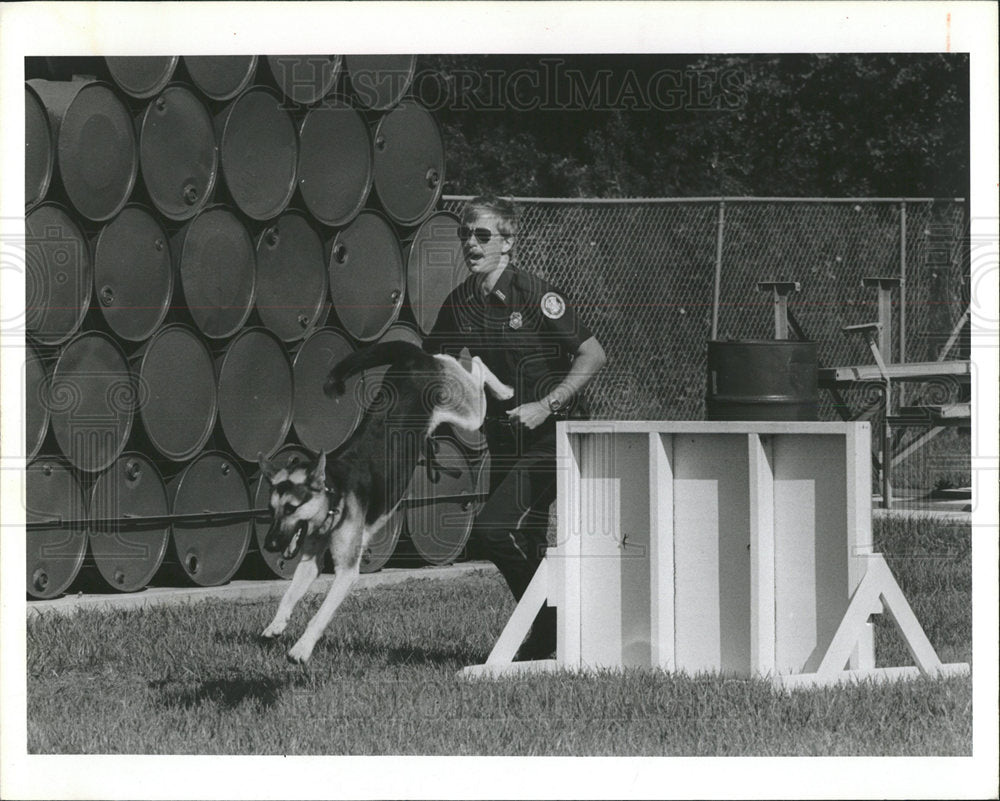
(482, 243)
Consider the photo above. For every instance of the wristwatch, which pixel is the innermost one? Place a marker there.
(554, 405)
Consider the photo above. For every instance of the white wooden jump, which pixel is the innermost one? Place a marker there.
(740, 548)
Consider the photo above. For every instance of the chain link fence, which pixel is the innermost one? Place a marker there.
(644, 275)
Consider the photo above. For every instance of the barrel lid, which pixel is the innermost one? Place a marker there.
(366, 276)
(36, 401)
(127, 558)
(221, 77)
(255, 393)
(141, 76)
(291, 293)
(54, 555)
(93, 400)
(216, 263)
(440, 530)
(259, 152)
(210, 552)
(177, 375)
(177, 152)
(58, 274)
(434, 267)
(409, 162)
(324, 423)
(336, 167)
(305, 79)
(380, 81)
(38, 149)
(97, 152)
(133, 276)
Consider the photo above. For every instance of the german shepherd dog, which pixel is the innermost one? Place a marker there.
(340, 504)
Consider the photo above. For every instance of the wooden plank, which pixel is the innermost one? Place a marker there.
(762, 600)
(661, 550)
(858, 503)
(810, 680)
(910, 371)
(566, 555)
(524, 615)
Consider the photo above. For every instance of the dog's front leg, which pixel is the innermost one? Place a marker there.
(305, 573)
(343, 579)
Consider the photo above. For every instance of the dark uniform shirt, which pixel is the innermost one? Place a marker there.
(525, 331)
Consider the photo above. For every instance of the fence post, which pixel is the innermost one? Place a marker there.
(718, 269)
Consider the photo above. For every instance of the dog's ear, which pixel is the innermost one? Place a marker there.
(266, 467)
(317, 476)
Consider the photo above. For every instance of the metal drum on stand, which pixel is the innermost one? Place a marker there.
(36, 401)
(260, 488)
(439, 529)
(142, 77)
(255, 393)
(336, 167)
(96, 150)
(133, 274)
(379, 82)
(305, 79)
(210, 550)
(762, 380)
(178, 155)
(128, 555)
(58, 274)
(324, 423)
(176, 376)
(434, 267)
(258, 150)
(291, 293)
(221, 77)
(409, 163)
(39, 155)
(214, 257)
(366, 276)
(93, 401)
(54, 553)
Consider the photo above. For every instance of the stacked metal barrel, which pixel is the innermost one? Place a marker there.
(206, 237)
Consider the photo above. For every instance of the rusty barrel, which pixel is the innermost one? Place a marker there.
(39, 155)
(141, 77)
(255, 393)
(127, 554)
(291, 294)
(439, 529)
(214, 257)
(133, 274)
(305, 79)
(55, 550)
(367, 283)
(336, 167)
(409, 163)
(260, 489)
(762, 380)
(209, 550)
(324, 423)
(434, 267)
(96, 151)
(378, 81)
(93, 401)
(258, 151)
(178, 155)
(36, 400)
(221, 77)
(58, 274)
(176, 377)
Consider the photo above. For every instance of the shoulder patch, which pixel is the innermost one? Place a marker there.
(553, 306)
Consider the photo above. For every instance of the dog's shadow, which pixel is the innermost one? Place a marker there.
(226, 692)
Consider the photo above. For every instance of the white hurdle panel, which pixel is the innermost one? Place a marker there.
(739, 548)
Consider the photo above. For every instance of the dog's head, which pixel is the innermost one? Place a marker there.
(299, 503)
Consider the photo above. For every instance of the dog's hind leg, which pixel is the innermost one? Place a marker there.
(306, 572)
(346, 544)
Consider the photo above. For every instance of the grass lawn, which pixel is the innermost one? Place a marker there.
(196, 679)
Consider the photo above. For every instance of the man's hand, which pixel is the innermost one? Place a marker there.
(530, 415)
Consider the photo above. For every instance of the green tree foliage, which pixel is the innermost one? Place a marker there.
(677, 125)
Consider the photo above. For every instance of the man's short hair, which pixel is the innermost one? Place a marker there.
(504, 210)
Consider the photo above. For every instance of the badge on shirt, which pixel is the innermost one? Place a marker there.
(553, 306)
(515, 320)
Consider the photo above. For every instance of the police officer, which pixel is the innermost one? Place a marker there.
(528, 333)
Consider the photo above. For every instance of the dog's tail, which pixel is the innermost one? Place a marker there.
(395, 354)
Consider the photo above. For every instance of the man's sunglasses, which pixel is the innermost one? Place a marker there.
(482, 235)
